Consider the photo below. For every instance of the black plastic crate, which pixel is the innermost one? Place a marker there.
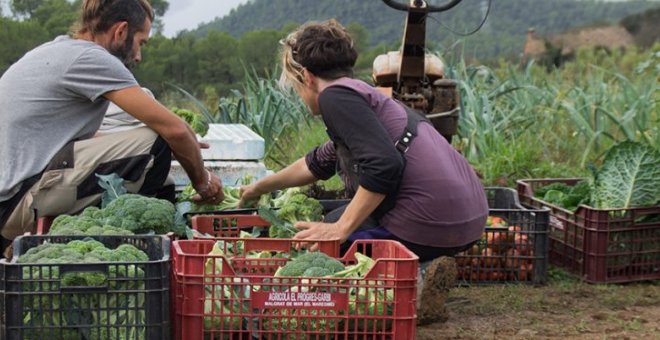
(36, 303)
(513, 253)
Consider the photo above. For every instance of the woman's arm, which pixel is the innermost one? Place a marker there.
(294, 175)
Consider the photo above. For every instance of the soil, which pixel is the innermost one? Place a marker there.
(567, 310)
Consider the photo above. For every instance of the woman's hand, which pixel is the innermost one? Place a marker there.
(249, 194)
(320, 231)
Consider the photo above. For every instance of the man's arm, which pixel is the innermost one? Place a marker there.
(176, 132)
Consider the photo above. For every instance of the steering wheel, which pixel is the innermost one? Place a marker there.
(403, 5)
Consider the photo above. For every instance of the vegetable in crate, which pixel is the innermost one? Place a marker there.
(232, 198)
(568, 197)
(89, 222)
(628, 178)
(278, 227)
(126, 215)
(141, 214)
(289, 207)
(311, 264)
(223, 306)
(504, 253)
(294, 205)
(89, 316)
(367, 299)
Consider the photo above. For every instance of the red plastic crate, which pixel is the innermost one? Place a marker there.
(600, 245)
(511, 252)
(220, 226)
(239, 298)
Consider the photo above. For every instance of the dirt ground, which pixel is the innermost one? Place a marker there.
(562, 309)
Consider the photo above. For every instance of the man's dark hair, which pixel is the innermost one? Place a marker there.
(326, 50)
(97, 16)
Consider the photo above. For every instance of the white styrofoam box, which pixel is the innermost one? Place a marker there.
(230, 172)
(232, 142)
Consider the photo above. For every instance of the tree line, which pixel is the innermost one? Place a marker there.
(216, 57)
(502, 35)
(205, 65)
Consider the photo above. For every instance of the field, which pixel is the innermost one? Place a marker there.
(517, 121)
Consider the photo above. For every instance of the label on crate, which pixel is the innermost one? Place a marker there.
(299, 300)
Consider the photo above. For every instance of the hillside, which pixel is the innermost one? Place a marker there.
(502, 35)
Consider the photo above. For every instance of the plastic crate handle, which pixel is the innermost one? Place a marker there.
(86, 268)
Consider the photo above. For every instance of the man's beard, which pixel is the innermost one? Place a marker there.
(125, 52)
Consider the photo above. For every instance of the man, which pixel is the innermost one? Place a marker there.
(54, 99)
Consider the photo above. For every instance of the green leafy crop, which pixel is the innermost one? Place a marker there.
(629, 177)
(568, 197)
(196, 121)
(232, 197)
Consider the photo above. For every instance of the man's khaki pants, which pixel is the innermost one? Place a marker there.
(69, 183)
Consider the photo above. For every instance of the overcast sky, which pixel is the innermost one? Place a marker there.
(187, 14)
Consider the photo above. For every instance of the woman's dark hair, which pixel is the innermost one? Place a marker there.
(325, 49)
(97, 16)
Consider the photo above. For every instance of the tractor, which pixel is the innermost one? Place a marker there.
(416, 78)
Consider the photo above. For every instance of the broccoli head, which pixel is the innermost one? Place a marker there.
(311, 264)
(140, 214)
(72, 225)
(294, 206)
(89, 222)
(92, 212)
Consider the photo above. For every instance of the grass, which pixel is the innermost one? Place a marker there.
(516, 122)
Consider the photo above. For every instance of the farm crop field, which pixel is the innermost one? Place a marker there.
(517, 121)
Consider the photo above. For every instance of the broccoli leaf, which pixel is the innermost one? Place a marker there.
(113, 185)
(278, 227)
(629, 177)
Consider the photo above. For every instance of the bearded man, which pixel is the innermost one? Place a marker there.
(52, 102)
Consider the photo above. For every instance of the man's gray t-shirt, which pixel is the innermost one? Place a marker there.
(51, 96)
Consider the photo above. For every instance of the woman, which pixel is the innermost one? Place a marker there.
(413, 188)
(428, 198)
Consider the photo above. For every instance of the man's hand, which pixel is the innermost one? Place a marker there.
(211, 193)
